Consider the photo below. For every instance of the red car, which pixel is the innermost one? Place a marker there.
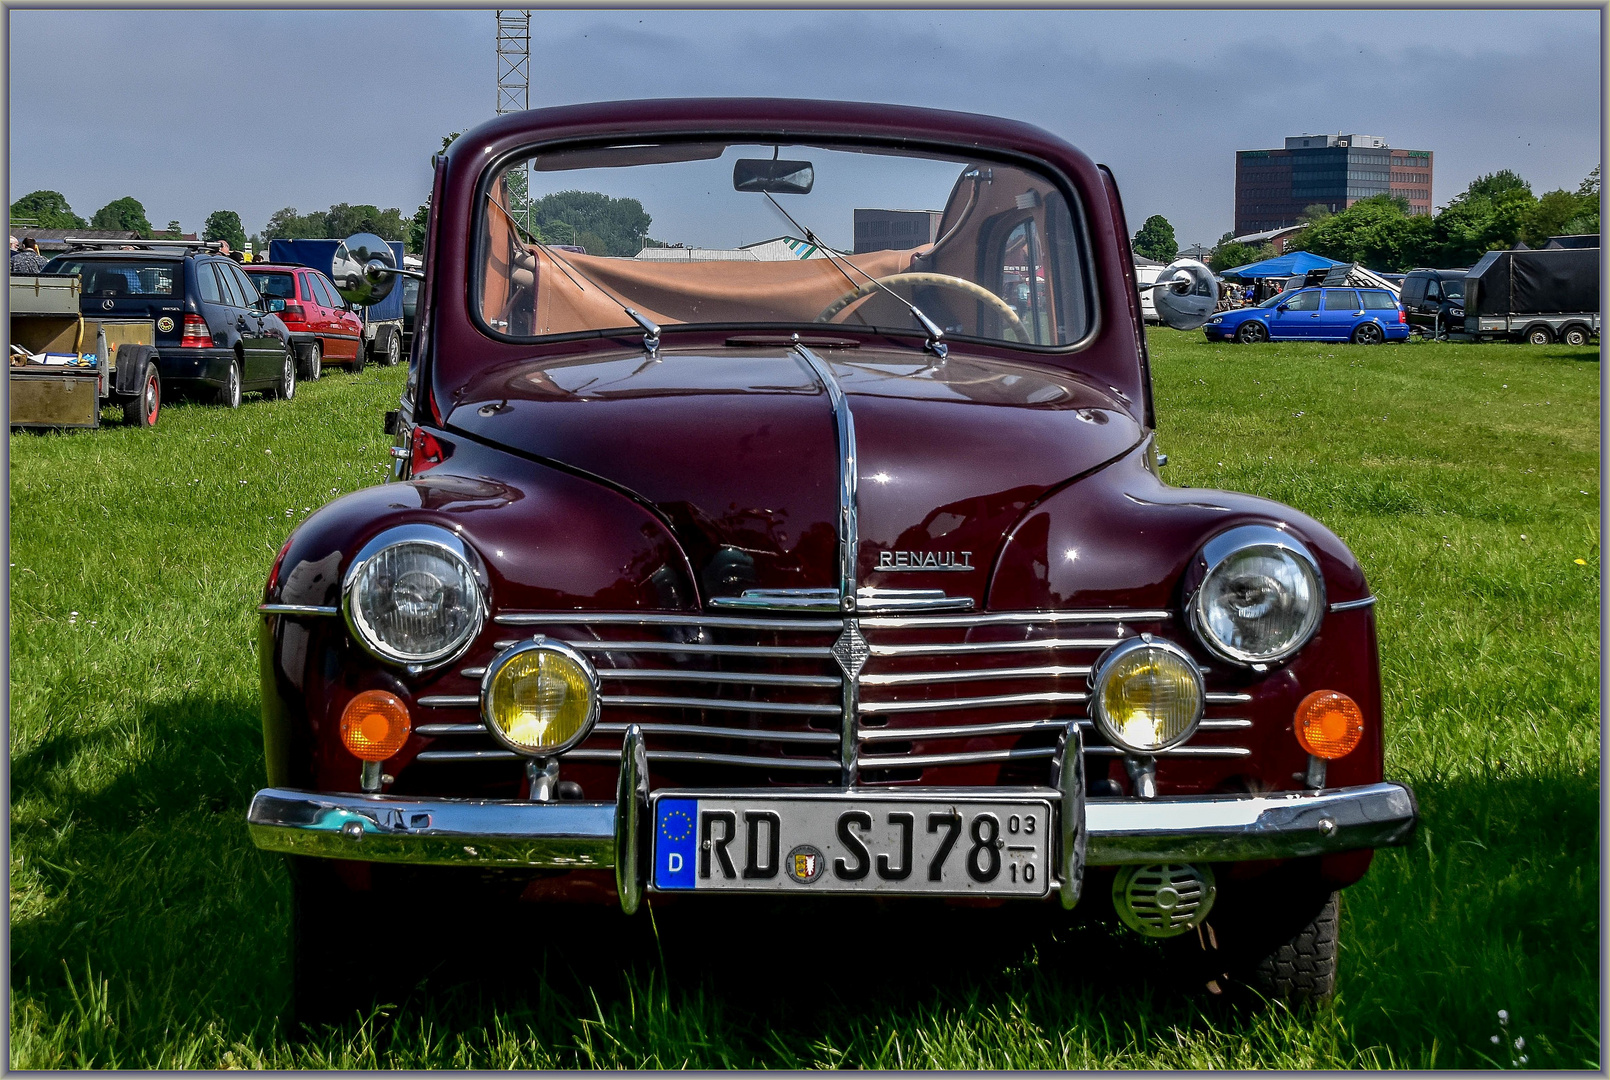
(323, 325)
(835, 565)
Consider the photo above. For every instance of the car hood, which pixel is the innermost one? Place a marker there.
(737, 451)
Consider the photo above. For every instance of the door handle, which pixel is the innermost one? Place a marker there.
(1315, 315)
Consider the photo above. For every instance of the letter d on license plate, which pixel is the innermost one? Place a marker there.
(960, 846)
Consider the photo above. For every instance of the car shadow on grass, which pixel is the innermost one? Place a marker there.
(131, 863)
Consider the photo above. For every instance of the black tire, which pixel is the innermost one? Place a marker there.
(1252, 333)
(285, 386)
(1574, 336)
(1539, 335)
(143, 409)
(312, 365)
(1277, 938)
(392, 353)
(361, 359)
(1367, 334)
(1304, 968)
(229, 394)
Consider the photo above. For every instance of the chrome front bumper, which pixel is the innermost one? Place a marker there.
(589, 835)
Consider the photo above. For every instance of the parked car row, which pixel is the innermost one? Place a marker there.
(222, 328)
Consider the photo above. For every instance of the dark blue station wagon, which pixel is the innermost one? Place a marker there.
(215, 334)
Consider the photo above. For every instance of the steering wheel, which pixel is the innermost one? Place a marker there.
(977, 291)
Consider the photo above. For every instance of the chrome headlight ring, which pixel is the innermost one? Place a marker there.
(1115, 655)
(540, 644)
(1244, 540)
(455, 550)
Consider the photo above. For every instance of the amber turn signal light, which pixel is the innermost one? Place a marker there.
(1328, 724)
(374, 725)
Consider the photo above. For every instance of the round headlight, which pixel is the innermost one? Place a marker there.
(539, 698)
(412, 596)
(1148, 695)
(1262, 597)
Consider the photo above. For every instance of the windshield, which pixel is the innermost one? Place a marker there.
(780, 236)
(119, 277)
(281, 285)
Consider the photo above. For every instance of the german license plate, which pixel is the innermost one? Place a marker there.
(852, 845)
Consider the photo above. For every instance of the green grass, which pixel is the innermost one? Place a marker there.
(148, 932)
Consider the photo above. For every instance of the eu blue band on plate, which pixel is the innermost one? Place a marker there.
(675, 844)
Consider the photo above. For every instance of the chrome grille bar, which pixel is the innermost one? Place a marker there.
(959, 731)
(692, 757)
(974, 675)
(783, 652)
(449, 701)
(753, 734)
(722, 622)
(959, 647)
(1013, 618)
(727, 704)
(746, 678)
(992, 702)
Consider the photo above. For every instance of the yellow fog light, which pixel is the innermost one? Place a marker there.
(1147, 695)
(539, 698)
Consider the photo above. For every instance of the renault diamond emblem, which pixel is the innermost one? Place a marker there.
(851, 650)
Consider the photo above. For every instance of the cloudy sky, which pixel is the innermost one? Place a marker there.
(252, 111)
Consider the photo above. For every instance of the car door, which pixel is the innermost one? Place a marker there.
(1295, 317)
(226, 317)
(1339, 312)
(265, 355)
(345, 328)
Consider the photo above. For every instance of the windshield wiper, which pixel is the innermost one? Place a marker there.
(651, 329)
(935, 343)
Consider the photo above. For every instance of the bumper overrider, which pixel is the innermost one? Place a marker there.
(575, 835)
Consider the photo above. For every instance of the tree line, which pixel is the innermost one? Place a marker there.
(1496, 211)
(50, 210)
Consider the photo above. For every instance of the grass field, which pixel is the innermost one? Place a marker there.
(146, 931)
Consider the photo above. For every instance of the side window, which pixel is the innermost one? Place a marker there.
(1307, 300)
(226, 286)
(304, 289)
(207, 284)
(1433, 289)
(1414, 289)
(243, 285)
(321, 289)
(1341, 300)
(1378, 300)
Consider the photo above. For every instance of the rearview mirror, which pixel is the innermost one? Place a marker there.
(778, 177)
(364, 269)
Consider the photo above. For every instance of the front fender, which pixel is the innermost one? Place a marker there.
(1121, 538)
(549, 541)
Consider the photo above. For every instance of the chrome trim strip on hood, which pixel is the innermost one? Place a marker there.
(851, 649)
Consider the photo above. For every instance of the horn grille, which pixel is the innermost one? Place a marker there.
(1164, 899)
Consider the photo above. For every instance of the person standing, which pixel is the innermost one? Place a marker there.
(27, 259)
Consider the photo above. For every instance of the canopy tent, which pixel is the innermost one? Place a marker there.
(1292, 264)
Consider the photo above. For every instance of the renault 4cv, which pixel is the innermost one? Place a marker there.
(819, 547)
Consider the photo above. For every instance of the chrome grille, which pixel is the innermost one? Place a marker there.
(768, 693)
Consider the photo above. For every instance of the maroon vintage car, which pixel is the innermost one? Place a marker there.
(817, 548)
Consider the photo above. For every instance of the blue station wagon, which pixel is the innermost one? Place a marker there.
(1362, 316)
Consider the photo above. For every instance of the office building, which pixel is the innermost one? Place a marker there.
(1274, 187)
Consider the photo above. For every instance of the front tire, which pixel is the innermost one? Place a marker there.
(1303, 968)
(1539, 335)
(1277, 938)
(361, 359)
(326, 978)
(142, 411)
(1367, 334)
(229, 393)
(1252, 333)
(285, 388)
